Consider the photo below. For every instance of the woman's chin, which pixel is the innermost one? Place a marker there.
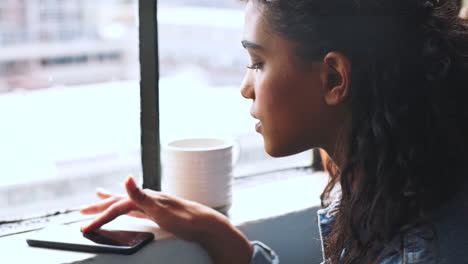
(277, 151)
(273, 154)
(270, 149)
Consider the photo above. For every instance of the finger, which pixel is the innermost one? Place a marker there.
(103, 194)
(100, 206)
(138, 214)
(136, 194)
(116, 210)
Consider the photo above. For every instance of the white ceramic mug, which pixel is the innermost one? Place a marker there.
(200, 169)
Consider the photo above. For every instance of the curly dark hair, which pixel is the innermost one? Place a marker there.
(405, 152)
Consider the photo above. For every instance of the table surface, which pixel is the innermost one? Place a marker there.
(253, 201)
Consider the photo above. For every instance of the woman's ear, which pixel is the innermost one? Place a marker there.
(336, 77)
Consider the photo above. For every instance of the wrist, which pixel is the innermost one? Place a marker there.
(226, 244)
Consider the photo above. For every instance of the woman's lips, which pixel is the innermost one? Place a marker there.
(258, 126)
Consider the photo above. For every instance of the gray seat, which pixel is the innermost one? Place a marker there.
(451, 222)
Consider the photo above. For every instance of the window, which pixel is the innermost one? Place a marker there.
(69, 102)
(70, 97)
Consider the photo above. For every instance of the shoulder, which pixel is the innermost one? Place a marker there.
(415, 247)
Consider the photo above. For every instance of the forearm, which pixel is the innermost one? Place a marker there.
(226, 244)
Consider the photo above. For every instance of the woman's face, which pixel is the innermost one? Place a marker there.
(287, 93)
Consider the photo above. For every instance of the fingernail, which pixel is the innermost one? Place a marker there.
(131, 181)
(102, 190)
(130, 178)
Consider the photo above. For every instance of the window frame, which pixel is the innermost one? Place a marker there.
(149, 94)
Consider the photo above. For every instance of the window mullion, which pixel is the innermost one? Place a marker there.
(149, 93)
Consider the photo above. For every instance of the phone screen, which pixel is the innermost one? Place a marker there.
(101, 240)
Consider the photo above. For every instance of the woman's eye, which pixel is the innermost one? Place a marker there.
(255, 66)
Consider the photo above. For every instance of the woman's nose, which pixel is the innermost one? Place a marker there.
(247, 90)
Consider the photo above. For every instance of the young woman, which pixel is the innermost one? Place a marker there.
(379, 85)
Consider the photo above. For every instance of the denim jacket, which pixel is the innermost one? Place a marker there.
(451, 246)
(417, 250)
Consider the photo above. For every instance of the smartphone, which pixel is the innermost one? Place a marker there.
(99, 241)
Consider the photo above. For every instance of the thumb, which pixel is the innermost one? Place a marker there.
(136, 194)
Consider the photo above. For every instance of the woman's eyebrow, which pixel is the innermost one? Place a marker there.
(250, 45)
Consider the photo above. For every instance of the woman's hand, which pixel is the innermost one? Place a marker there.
(108, 200)
(183, 218)
(186, 219)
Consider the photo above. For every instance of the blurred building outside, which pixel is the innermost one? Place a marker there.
(45, 43)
